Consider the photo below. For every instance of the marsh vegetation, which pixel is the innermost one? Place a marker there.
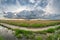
(49, 34)
(32, 23)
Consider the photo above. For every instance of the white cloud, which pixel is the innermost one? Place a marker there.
(32, 1)
(52, 8)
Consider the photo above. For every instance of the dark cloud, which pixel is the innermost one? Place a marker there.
(35, 8)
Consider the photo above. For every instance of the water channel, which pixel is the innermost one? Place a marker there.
(7, 34)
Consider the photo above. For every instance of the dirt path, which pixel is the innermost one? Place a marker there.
(28, 29)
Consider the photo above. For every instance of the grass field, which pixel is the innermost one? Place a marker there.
(32, 23)
(49, 34)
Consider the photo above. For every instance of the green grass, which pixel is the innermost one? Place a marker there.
(50, 30)
(1, 38)
(27, 34)
(39, 38)
(49, 34)
(32, 23)
(54, 36)
(38, 35)
(37, 25)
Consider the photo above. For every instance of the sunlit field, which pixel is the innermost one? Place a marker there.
(49, 34)
(32, 23)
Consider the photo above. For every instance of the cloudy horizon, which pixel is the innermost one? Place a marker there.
(44, 9)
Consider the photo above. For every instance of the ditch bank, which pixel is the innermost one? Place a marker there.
(24, 28)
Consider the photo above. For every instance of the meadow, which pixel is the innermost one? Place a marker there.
(32, 23)
(49, 34)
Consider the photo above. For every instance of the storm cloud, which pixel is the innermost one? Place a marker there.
(50, 8)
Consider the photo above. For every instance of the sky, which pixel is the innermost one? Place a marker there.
(50, 8)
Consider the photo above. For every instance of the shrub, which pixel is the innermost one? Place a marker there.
(58, 27)
(50, 30)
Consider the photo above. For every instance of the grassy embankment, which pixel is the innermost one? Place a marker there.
(32, 23)
(49, 34)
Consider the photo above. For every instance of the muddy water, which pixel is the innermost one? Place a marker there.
(7, 34)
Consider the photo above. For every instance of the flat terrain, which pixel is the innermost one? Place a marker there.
(27, 29)
(32, 29)
(32, 23)
(47, 33)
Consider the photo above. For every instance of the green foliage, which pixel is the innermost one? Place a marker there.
(36, 25)
(1, 38)
(32, 24)
(24, 24)
(19, 36)
(39, 38)
(21, 33)
(57, 28)
(49, 37)
(50, 30)
(42, 32)
(54, 36)
(32, 35)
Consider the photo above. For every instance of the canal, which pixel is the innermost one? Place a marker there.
(7, 34)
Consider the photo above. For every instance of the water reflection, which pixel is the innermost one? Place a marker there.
(7, 34)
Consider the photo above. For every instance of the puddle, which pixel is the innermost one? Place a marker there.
(7, 34)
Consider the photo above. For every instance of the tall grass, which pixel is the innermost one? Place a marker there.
(1, 38)
(53, 34)
(32, 23)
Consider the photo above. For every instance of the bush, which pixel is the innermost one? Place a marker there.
(50, 30)
(58, 27)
